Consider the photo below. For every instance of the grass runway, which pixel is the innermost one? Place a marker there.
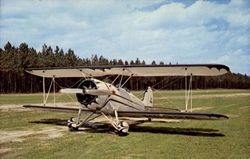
(24, 134)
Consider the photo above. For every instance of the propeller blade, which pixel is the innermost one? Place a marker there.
(97, 92)
(71, 90)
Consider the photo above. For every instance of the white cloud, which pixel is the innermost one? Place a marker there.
(201, 32)
(238, 60)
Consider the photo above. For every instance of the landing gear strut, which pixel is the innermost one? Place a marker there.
(121, 127)
(74, 124)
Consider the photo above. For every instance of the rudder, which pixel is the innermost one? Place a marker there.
(148, 97)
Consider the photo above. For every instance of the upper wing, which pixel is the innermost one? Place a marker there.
(172, 115)
(139, 71)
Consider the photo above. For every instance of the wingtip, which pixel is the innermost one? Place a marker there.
(223, 117)
(226, 117)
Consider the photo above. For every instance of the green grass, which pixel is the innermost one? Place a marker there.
(187, 139)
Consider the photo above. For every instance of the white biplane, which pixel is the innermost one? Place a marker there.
(114, 101)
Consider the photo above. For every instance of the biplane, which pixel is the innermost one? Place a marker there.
(113, 101)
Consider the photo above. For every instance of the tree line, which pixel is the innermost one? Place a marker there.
(14, 60)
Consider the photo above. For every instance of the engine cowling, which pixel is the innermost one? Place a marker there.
(86, 99)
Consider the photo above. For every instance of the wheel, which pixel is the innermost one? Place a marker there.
(123, 128)
(121, 133)
(71, 128)
(71, 124)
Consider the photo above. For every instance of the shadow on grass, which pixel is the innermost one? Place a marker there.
(178, 131)
(61, 122)
(106, 128)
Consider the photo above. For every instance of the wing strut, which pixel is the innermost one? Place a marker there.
(188, 93)
(45, 97)
(115, 79)
(126, 80)
(186, 103)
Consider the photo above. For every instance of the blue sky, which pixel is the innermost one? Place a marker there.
(163, 30)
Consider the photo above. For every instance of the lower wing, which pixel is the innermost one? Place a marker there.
(56, 108)
(172, 115)
(141, 114)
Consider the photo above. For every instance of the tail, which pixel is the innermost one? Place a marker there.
(148, 97)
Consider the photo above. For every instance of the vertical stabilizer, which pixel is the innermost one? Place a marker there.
(148, 97)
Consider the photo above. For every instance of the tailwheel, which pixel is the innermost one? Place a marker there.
(122, 128)
(72, 125)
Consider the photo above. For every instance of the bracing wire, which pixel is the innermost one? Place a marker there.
(167, 101)
(72, 99)
(165, 86)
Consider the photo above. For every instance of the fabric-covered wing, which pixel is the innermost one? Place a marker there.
(140, 114)
(66, 72)
(174, 70)
(138, 71)
(172, 115)
(55, 108)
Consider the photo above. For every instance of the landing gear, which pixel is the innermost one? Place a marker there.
(122, 128)
(75, 123)
(72, 124)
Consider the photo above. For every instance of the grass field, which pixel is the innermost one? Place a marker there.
(23, 134)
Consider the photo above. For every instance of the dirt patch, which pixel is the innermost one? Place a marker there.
(205, 96)
(201, 108)
(13, 136)
(19, 136)
(233, 116)
(5, 150)
(223, 95)
(52, 132)
(245, 107)
(12, 107)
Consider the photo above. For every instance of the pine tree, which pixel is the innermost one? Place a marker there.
(137, 62)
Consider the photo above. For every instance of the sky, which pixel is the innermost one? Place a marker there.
(176, 31)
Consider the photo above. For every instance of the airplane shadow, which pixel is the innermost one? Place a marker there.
(178, 131)
(61, 122)
(106, 128)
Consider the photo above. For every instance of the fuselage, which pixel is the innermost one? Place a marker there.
(119, 99)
